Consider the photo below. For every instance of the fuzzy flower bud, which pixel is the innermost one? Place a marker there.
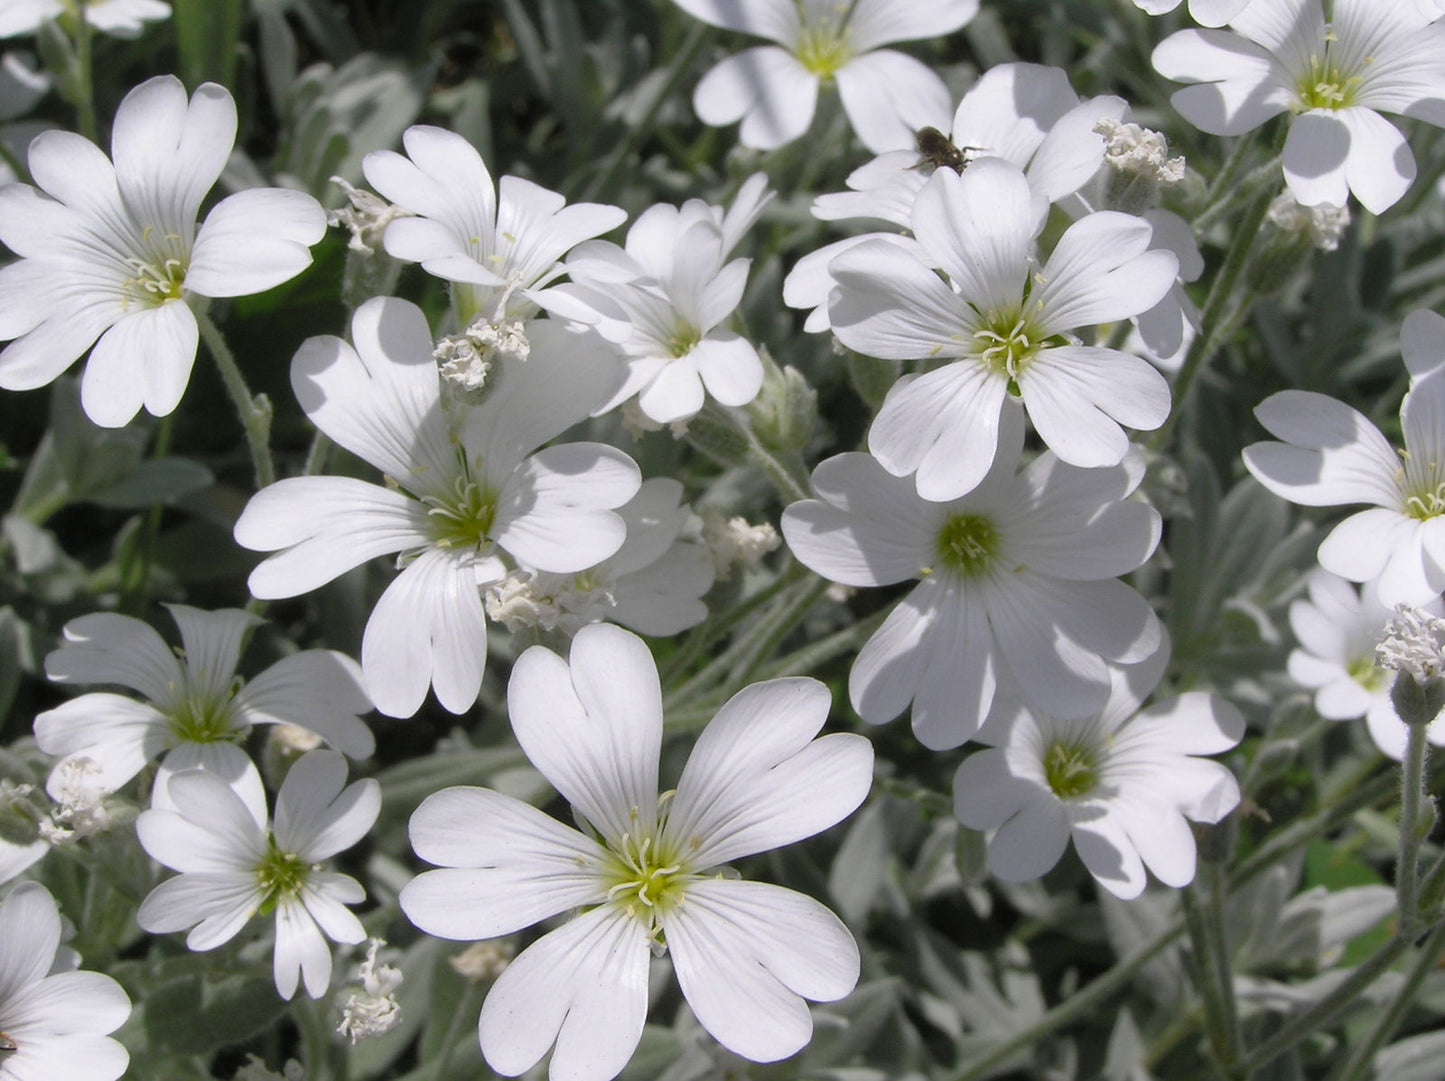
(482, 961)
(255, 1069)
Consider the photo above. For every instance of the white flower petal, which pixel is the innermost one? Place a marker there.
(109, 648)
(168, 151)
(506, 865)
(748, 953)
(593, 727)
(757, 779)
(428, 629)
(1331, 453)
(301, 951)
(29, 936)
(764, 87)
(119, 735)
(317, 689)
(1109, 853)
(889, 95)
(255, 240)
(729, 366)
(1030, 842)
(556, 512)
(315, 816)
(145, 359)
(584, 987)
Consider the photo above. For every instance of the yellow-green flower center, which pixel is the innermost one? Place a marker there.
(280, 875)
(1422, 483)
(1070, 769)
(1364, 671)
(823, 46)
(1325, 85)
(465, 516)
(202, 718)
(684, 338)
(154, 282)
(646, 877)
(967, 544)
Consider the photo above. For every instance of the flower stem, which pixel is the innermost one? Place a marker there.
(1362, 1057)
(1204, 917)
(1217, 320)
(85, 78)
(1412, 795)
(465, 1005)
(253, 410)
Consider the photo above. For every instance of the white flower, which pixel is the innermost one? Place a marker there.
(653, 584)
(1339, 629)
(1121, 783)
(1332, 455)
(773, 91)
(465, 490)
(644, 872)
(54, 1021)
(1007, 326)
(15, 858)
(234, 866)
(196, 709)
(663, 299)
(1204, 12)
(112, 252)
(1335, 78)
(119, 18)
(1018, 584)
(500, 246)
(1027, 114)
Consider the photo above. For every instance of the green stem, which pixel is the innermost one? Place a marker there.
(85, 79)
(718, 625)
(136, 575)
(1362, 1056)
(1412, 794)
(789, 606)
(759, 645)
(1213, 324)
(465, 1006)
(317, 455)
(1268, 173)
(315, 1039)
(1204, 917)
(254, 411)
(1328, 1008)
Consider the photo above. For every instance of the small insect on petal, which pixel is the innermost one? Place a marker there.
(7, 1044)
(936, 151)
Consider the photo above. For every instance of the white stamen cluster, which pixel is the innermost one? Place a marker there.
(734, 541)
(1131, 148)
(548, 602)
(374, 1010)
(80, 793)
(366, 216)
(1414, 643)
(1323, 224)
(465, 360)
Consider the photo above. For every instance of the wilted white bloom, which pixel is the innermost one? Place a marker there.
(1131, 148)
(1000, 329)
(1333, 455)
(468, 498)
(118, 18)
(1123, 784)
(1414, 642)
(375, 1010)
(773, 89)
(365, 216)
(737, 542)
(663, 298)
(1334, 78)
(499, 245)
(78, 787)
(1017, 584)
(234, 864)
(1322, 223)
(112, 257)
(643, 873)
(54, 1021)
(465, 360)
(195, 709)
